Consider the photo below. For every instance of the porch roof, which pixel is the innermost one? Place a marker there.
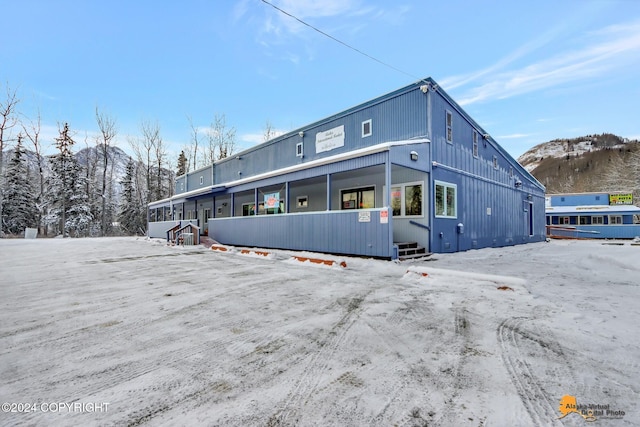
(386, 146)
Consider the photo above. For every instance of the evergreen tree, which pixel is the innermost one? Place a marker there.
(20, 210)
(79, 217)
(131, 217)
(61, 182)
(182, 164)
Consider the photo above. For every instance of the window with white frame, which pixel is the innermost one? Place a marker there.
(358, 198)
(564, 220)
(299, 149)
(449, 123)
(407, 199)
(366, 128)
(615, 219)
(201, 180)
(597, 220)
(475, 144)
(446, 197)
(495, 162)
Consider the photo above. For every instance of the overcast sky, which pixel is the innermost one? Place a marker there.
(526, 71)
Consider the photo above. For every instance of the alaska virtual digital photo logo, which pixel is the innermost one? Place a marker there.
(590, 412)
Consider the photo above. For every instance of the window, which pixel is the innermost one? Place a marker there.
(615, 219)
(475, 144)
(511, 172)
(299, 149)
(359, 198)
(446, 200)
(207, 215)
(413, 200)
(248, 209)
(396, 201)
(449, 124)
(366, 128)
(272, 204)
(302, 201)
(182, 186)
(406, 199)
(201, 180)
(597, 220)
(564, 220)
(585, 220)
(495, 162)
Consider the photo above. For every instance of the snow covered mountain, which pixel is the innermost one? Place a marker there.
(604, 162)
(575, 147)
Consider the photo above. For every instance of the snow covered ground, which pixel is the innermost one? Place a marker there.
(125, 331)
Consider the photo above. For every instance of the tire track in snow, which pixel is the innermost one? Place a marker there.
(462, 334)
(413, 314)
(318, 363)
(535, 400)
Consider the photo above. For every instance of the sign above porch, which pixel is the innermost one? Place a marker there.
(330, 139)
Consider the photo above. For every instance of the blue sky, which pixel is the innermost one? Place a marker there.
(526, 71)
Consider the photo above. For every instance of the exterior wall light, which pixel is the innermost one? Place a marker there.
(414, 156)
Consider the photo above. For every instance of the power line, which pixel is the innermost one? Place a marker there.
(341, 42)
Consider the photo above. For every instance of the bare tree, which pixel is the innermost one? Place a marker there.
(33, 134)
(142, 148)
(8, 119)
(269, 131)
(192, 150)
(91, 185)
(222, 140)
(141, 174)
(151, 151)
(108, 131)
(160, 161)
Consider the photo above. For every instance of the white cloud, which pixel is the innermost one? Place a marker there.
(614, 47)
(258, 138)
(514, 136)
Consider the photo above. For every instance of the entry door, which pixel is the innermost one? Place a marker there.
(203, 220)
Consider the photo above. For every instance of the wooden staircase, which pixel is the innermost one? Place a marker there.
(411, 250)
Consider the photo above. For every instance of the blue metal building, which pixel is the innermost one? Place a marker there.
(407, 167)
(592, 215)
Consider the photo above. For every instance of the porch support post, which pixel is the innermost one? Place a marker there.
(387, 183)
(328, 192)
(255, 201)
(233, 200)
(286, 197)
